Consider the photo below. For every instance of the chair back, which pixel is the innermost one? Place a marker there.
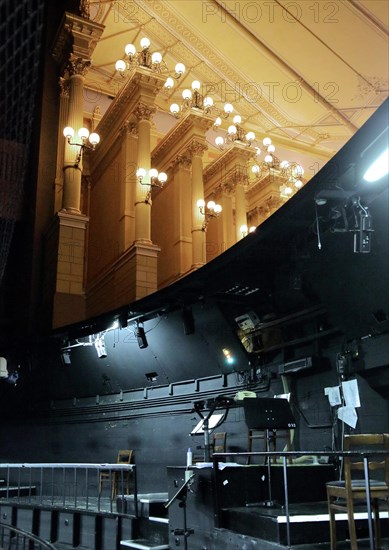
(219, 442)
(378, 465)
(125, 456)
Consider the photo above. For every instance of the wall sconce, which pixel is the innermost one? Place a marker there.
(157, 179)
(244, 230)
(148, 60)
(211, 210)
(83, 134)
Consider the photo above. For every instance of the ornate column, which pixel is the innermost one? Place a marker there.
(129, 137)
(66, 236)
(196, 150)
(182, 201)
(227, 217)
(63, 111)
(144, 114)
(71, 198)
(240, 207)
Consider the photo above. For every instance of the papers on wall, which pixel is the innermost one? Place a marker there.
(333, 394)
(346, 413)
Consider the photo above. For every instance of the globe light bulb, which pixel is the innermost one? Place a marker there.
(130, 49)
(145, 43)
(180, 68)
(120, 65)
(68, 132)
(94, 138)
(156, 58)
(169, 83)
(140, 173)
(83, 133)
(187, 94)
(196, 85)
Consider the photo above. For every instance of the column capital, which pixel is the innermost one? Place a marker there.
(77, 66)
(181, 161)
(63, 86)
(197, 148)
(143, 111)
(129, 128)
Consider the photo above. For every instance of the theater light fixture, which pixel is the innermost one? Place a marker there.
(152, 61)
(378, 169)
(85, 136)
(152, 179)
(152, 376)
(100, 347)
(209, 211)
(228, 355)
(141, 336)
(188, 321)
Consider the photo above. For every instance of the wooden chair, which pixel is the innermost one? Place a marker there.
(219, 440)
(270, 441)
(115, 477)
(342, 494)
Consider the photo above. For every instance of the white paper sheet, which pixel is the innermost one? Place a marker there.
(333, 394)
(351, 393)
(348, 415)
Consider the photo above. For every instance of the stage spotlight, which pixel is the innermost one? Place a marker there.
(188, 321)
(100, 348)
(151, 376)
(66, 359)
(141, 337)
(3, 368)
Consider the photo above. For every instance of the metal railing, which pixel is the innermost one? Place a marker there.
(12, 538)
(218, 460)
(71, 486)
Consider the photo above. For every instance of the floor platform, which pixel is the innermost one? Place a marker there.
(308, 524)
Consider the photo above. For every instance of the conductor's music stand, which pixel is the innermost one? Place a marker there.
(181, 496)
(268, 414)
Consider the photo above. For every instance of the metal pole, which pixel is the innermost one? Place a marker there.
(368, 501)
(286, 501)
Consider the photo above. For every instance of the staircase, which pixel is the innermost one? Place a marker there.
(151, 531)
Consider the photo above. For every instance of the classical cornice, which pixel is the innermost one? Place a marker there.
(192, 126)
(235, 155)
(139, 92)
(76, 35)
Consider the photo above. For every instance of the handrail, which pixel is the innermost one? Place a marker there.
(42, 544)
(68, 484)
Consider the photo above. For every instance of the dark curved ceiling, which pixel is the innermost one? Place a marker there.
(300, 262)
